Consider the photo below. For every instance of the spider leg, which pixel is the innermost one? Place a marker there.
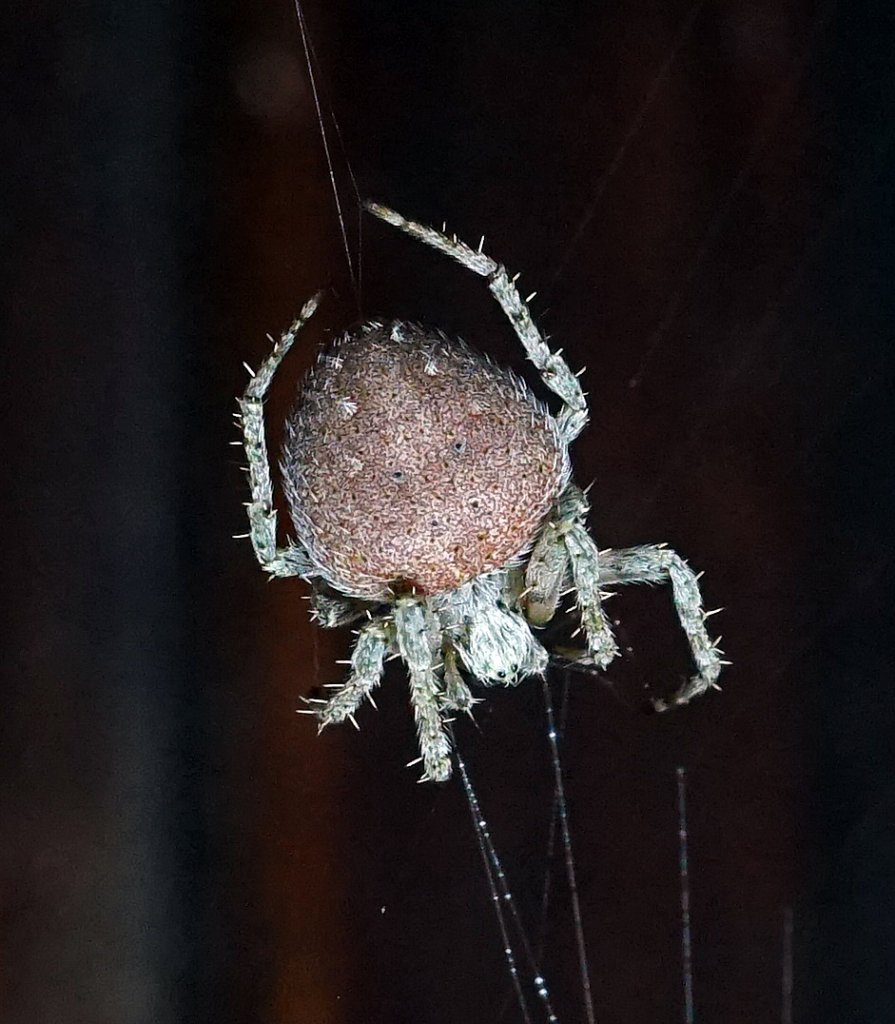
(367, 661)
(413, 631)
(552, 367)
(457, 695)
(547, 570)
(587, 575)
(331, 612)
(655, 563)
(564, 542)
(544, 575)
(291, 560)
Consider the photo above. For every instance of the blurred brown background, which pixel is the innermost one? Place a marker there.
(702, 197)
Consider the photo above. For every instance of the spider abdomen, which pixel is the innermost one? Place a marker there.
(432, 490)
(412, 461)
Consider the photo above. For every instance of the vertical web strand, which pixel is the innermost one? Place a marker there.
(480, 828)
(561, 807)
(550, 849)
(309, 53)
(684, 870)
(502, 898)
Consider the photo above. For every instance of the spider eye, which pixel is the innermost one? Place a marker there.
(459, 446)
(399, 476)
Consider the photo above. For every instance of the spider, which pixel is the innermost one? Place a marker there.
(432, 501)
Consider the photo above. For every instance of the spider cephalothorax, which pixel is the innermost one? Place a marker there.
(431, 497)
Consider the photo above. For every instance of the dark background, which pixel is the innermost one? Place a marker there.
(702, 197)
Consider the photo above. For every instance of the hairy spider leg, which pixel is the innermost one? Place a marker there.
(291, 560)
(545, 575)
(332, 612)
(367, 663)
(552, 367)
(655, 563)
(413, 629)
(585, 562)
(565, 543)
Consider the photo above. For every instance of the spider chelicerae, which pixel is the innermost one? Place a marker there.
(433, 505)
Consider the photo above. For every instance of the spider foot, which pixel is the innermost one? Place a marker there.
(603, 649)
(337, 709)
(432, 772)
(601, 645)
(461, 702)
(694, 687)
(436, 758)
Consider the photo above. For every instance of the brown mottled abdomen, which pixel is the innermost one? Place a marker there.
(410, 460)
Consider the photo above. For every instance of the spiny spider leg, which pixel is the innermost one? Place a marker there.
(292, 560)
(332, 612)
(367, 661)
(619, 566)
(412, 635)
(564, 540)
(552, 367)
(545, 575)
(655, 563)
(585, 559)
